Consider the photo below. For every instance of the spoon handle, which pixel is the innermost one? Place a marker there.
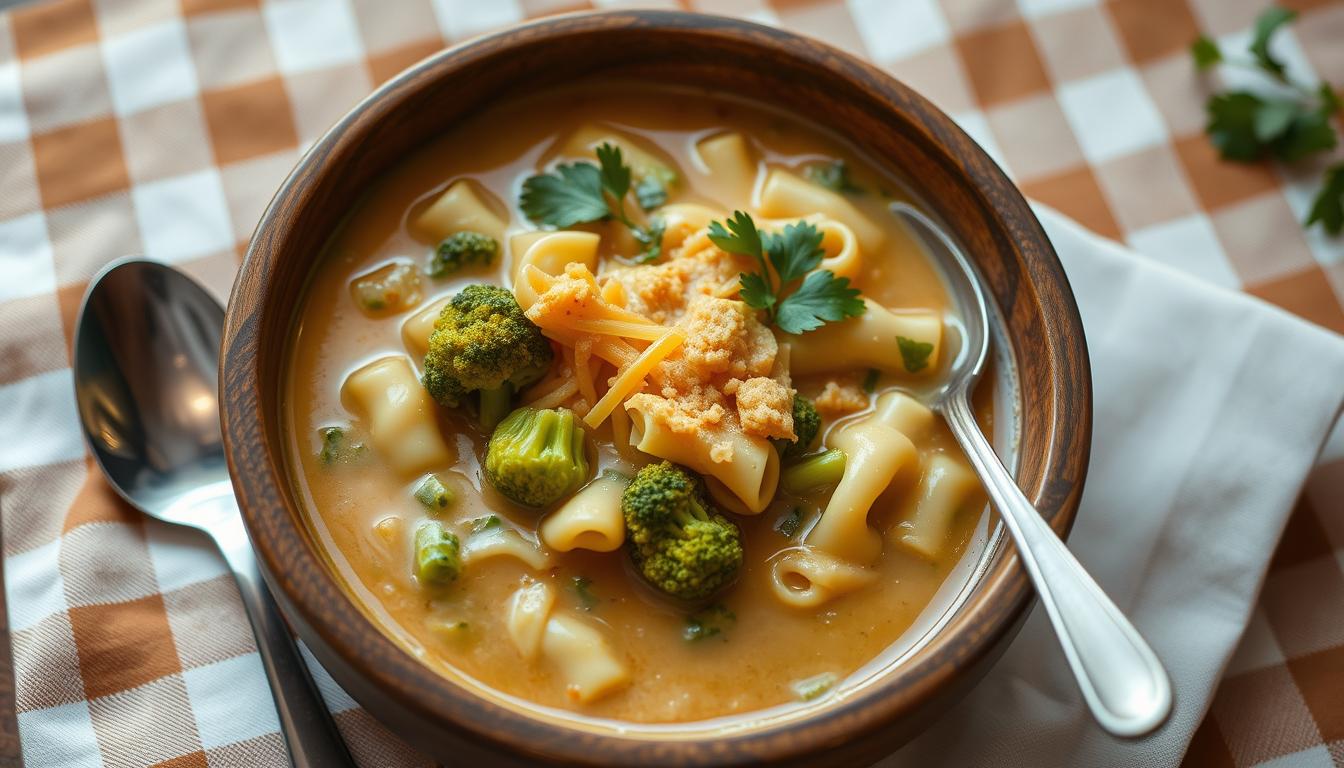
(1121, 678)
(305, 720)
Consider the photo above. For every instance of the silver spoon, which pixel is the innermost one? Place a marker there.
(1122, 680)
(146, 380)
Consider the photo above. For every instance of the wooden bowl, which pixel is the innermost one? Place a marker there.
(893, 125)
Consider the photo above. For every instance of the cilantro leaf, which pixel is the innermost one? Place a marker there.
(571, 195)
(822, 298)
(1309, 133)
(650, 193)
(1330, 101)
(833, 175)
(755, 292)
(1266, 25)
(1328, 207)
(914, 354)
(614, 172)
(1231, 126)
(795, 251)
(651, 237)
(1273, 118)
(1205, 52)
(740, 236)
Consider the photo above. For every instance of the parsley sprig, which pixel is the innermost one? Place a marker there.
(579, 193)
(785, 258)
(1290, 125)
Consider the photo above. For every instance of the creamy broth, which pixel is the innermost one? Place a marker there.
(365, 514)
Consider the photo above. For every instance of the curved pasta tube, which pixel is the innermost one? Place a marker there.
(461, 207)
(806, 577)
(944, 489)
(591, 519)
(549, 253)
(585, 660)
(785, 195)
(417, 328)
(868, 341)
(751, 473)
(904, 414)
(731, 163)
(504, 542)
(529, 609)
(874, 453)
(400, 415)
(842, 249)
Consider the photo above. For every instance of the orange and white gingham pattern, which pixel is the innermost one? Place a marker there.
(162, 127)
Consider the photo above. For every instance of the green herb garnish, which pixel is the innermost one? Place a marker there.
(915, 354)
(714, 620)
(790, 523)
(1246, 126)
(338, 448)
(579, 193)
(483, 524)
(870, 380)
(582, 587)
(793, 254)
(813, 687)
(650, 192)
(434, 494)
(833, 175)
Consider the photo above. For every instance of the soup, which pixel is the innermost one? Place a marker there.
(619, 411)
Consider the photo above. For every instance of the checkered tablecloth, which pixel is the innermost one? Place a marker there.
(162, 127)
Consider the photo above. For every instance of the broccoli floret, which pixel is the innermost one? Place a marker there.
(806, 425)
(679, 542)
(438, 555)
(536, 456)
(461, 250)
(482, 342)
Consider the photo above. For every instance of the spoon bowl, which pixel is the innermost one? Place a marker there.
(146, 367)
(1121, 678)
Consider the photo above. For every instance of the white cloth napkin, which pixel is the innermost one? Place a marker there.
(1210, 409)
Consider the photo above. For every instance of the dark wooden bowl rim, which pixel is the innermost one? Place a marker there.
(316, 603)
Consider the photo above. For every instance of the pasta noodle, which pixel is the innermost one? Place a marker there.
(786, 196)
(842, 249)
(751, 473)
(805, 577)
(728, 157)
(550, 254)
(528, 611)
(874, 452)
(632, 378)
(591, 519)
(583, 141)
(868, 341)
(504, 542)
(417, 328)
(460, 208)
(584, 658)
(401, 420)
(944, 489)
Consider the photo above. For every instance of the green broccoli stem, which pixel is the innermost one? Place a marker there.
(818, 471)
(694, 511)
(495, 405)
(438, 555)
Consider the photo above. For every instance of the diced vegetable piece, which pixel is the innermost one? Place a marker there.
(438, 554)
(388, 289)
(817, 471)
